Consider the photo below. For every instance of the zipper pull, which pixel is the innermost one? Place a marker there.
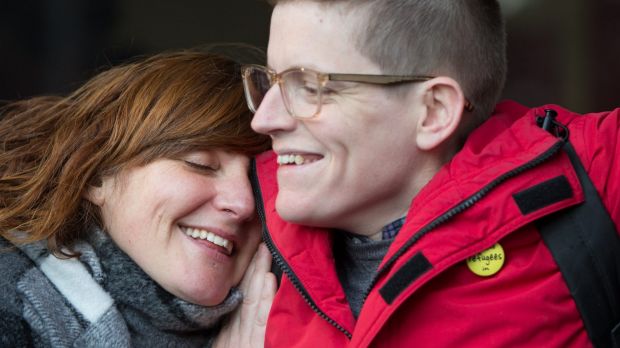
(549, 119)
(549, 124)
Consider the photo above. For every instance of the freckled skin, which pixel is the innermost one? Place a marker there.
(143, 208)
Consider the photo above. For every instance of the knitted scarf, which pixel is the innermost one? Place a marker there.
(118, 305)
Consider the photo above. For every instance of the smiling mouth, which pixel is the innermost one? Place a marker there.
(197, 233)
(296, 159)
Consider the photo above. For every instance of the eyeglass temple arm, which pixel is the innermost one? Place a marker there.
(386, 80)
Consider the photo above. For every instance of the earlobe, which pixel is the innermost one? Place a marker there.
(95, 194)
(444, 102)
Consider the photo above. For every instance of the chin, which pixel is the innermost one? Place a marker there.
(208, 301)
(301, 216)
(292, 212)
(203, 296)
(291, 216)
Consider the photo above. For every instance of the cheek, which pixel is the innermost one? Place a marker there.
(120, 217)
(182, 198)
(247, 253)
(344, 135)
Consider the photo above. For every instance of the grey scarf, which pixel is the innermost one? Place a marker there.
(127, 309)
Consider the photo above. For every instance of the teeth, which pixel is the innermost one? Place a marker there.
(219, 240)
(292, 159)
(209, 236)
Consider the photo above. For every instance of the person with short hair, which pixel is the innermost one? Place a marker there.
(127, 216)
(403, 206)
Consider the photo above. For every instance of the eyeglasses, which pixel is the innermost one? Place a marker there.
(303, 89)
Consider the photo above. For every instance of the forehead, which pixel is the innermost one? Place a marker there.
(317, 36)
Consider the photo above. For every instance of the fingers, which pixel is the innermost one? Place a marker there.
(258, 287)
(267, 295)
(261, 314)
(260, 264)
(246, 327)
(254, 278)
(263, 262)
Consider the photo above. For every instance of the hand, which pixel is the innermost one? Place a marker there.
(246, 327)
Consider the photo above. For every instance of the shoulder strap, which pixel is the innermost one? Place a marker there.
(586, 246)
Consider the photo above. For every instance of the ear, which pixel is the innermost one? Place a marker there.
(444, 102)
(96, 193)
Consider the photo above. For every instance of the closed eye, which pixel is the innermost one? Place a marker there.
(200, 167)
(328, 91)
(309, 91)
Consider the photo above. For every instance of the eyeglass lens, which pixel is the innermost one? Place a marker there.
(300, 90)
(256, 83)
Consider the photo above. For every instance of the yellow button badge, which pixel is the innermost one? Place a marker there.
(488, 262)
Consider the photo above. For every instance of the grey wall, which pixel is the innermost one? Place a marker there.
(565, 52)
(51, 46)
(560, 51)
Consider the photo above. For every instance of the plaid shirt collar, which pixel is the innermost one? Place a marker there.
(390, 230)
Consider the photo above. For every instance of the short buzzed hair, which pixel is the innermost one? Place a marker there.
(462, 39)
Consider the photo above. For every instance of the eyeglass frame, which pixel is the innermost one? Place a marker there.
(375, 79)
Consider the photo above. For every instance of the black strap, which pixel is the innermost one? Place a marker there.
(585, 245)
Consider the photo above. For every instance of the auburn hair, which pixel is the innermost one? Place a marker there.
(53, 148)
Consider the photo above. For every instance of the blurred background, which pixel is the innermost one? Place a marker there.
(563, 52)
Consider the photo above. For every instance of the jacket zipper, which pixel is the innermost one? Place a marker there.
(281, 263)
(461, 207)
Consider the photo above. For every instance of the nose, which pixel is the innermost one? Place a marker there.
(234, 194)
(271, 117)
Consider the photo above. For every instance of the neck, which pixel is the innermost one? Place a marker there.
(370, 220)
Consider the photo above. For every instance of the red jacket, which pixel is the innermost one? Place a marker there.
(526, 304)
